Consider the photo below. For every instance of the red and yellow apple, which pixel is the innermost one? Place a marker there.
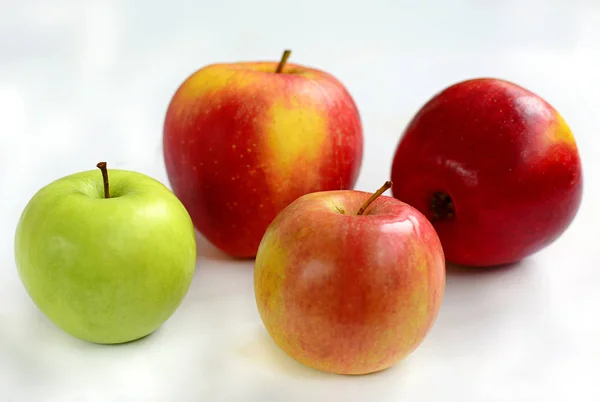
(347, 293)
(242, 141)
(494, 167)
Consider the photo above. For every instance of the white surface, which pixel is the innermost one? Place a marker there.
(83, 81)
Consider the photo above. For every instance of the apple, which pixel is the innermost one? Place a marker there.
(494, 167)
(107, 258)
(243, 140)
(348, 289)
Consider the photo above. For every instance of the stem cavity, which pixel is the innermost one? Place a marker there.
(382, 189)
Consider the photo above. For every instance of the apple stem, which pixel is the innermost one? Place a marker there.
(284, 58)
(382, 189)
(102, 167)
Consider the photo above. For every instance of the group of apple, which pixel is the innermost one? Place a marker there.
(262, 158)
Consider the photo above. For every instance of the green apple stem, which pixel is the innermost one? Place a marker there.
(382, 189)
(102, 167)
(284, 58)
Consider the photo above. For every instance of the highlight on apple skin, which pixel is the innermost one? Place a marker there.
(107, 261)
(241, 142)
(495, 168)
(346, 293)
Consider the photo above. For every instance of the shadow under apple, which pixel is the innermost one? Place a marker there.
(262, 351)
(463, 270)
(207, 251)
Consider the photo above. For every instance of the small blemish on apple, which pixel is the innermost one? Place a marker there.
(442, 207)
(339, 209)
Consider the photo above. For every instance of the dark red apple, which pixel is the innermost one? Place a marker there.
(494, 167)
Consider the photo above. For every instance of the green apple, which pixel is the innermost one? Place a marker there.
(107, 261)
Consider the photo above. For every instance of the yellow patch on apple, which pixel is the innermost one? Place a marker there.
(214, 78)
(268, 285)
(562, 132)
(305, 130)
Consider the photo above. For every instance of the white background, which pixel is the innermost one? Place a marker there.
(83, 81)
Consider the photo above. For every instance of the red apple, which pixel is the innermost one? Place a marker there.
(349, 292)
(242, 141)
(494, 167)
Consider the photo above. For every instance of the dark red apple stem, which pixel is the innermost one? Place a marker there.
(382, 189)
(284, 58)
(102, 167)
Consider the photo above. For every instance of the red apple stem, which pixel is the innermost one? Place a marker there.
(102, 167)
(284, 58)
(387, 185)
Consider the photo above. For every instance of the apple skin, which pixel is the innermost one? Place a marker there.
(241, 143)
(507, 160)
(349, 294)
(106, 270)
